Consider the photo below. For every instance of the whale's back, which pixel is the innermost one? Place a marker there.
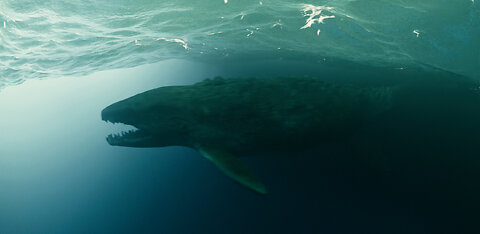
(251, 112)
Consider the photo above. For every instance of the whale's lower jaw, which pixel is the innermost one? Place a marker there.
(133, 138)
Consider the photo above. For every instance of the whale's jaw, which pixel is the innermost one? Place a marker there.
(153, 123)
(131, 138)
(120, 113)
(135, 137)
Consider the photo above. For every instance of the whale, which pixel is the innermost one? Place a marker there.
(420, 126)
(225, 119)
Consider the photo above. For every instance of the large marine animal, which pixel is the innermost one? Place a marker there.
(224, 119)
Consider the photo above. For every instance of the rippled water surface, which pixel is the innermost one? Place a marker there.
(43, 38)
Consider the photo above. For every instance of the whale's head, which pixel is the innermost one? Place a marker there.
(159, 116)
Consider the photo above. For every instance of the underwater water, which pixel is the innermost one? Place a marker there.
(412, 170)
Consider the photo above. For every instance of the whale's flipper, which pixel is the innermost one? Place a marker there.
(234, 168)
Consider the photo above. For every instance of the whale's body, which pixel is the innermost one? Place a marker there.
(424, 128)
(227, 118)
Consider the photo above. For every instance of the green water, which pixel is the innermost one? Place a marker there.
(52, 38)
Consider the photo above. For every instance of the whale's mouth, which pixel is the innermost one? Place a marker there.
(129, 135)
(125, 123)
(127, 138)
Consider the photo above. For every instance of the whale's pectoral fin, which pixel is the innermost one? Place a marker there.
(234, 168)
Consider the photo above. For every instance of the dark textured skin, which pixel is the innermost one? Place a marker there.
(249, 114)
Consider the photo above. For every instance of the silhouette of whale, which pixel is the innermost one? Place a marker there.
(226, 118)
